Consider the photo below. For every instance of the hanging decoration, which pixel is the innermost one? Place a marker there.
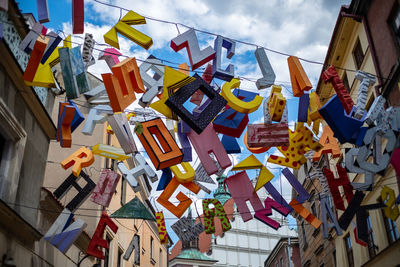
(97, 242)
(189, 41)
(211, 129)
(123, 27)
(105, 187)
(134, 209)
(209, 215)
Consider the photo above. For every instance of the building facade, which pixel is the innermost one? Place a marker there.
(285, 253)
(364, 39)
(315, 250)
(26, 132)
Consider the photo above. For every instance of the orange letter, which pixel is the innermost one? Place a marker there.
(83, 157)
(298, 77)
(185, 202)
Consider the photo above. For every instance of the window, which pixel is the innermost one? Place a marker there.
(358, 54)
(349, 250)
(281, 262)
(151, 247)
(391, 229)
(313, 209)
(303, 231)
(334, 257)
(119, 259)
(123, 190)
(346, 82)
(160, 259)
(371, 240)
(107, 162)
(107, 252)
(394, 21)
(2, 145)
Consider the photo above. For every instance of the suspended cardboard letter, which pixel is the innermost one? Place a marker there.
(242, 190)
(184, 201)
(230, 144)
(352, 166)
(330, 144)
(304, 103)
(43, 11)
(66, 115)
(133, 245)
(54, 40)
(231, 123)
(122, 84)
(154, 84)
(366, 80)
(263, 215)
(87, 50)
(78, 16)
(123, 27)
(219, 43)
(105, 187)
(207, 76)
(97, 242)
(209, 215)
(197, 57)
(261, 135)
(330, 75)
(169, 153)
(303, 212)
(267, 71)
(334, 184)
(94, 118)
(122, 130)
(355, 208)
(141, 168)
(110, 152)
(208, 142)
(73, 71)
(186, 177)
(166, 177)
(391, 210)
(173, 80)
(83, 193)
(344, 127)
(186, 230)
(110, 55)
(380, 160)
(34, 60)
(237, 104)
(83, 157)
(298, 77)
(64, 231)
(326, 210)
(30, 39)
(182, 131)
(250, 163)
(196, 121)
(162, 229)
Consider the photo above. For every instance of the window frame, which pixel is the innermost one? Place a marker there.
(358, 52)
(371, 240)
(391, 21)
(390, 226)
(349, 250)
(13, 153)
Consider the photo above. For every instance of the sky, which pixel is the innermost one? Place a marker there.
(301, 28)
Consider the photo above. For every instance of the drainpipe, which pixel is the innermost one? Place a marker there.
(288, 253)
(364, 21)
